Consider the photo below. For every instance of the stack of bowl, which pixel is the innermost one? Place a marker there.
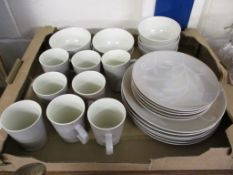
(158, 33)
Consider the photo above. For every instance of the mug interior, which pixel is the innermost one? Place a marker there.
(20, 115)
(106, 113)
(86, 59)
(49, 83)
(88, 82)
(116, 57)
(65, 109)
(54, 57)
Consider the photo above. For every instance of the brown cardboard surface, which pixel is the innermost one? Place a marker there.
(214, 158)
(135, 151)
(3, 74)
(13, 90)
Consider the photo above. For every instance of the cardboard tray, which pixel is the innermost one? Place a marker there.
(136, 152)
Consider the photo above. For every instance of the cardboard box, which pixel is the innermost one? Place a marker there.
(136, 152)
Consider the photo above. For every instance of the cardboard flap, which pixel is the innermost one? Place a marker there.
(20, 73)
(16, 87)
(3, 137)
(14, 162)
(195, 34)
(229, 132)
(11, 77)
(3, 74)
(215, 157)
(229, 94)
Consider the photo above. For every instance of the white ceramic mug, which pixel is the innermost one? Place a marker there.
(49, 85)
(115, 62)
(106, 117)
(86, 60)
(55, 59)
(89, 84)
(23, 121)
(66, 113)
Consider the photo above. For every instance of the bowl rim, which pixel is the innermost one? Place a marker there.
(51, 39)
(158, 17)
(130, 39)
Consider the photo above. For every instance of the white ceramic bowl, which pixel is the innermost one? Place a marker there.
(158, 30)
(112, 39)
(170, 46)
(72, 39)
(146, 50)
(143, 50)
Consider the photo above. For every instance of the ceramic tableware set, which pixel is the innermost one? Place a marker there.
(171, 97)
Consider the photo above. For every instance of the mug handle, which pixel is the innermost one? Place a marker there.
(81, 134)
(108, 144)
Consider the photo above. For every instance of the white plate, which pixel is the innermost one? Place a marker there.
(175, 80)
(200, 124)
(173, 142)
(177, 138)
(163, 111)
(148, 126)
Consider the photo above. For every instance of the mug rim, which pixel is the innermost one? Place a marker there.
(89, 94)
(84, 68)
(111, 128)
(118, 65)
(28, 127)
(53, 66)
(52, 94)
(68, 123)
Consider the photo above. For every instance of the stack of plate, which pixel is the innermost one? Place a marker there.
(173, 97)
(158, 33)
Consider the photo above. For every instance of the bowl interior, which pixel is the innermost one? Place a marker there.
(159, 29)
(70, 39)
(111, 39)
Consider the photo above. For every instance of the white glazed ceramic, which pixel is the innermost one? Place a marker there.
(176, 132)
(106, 117)
(66, 113)
(158, 30)
(50, 85)
(175, 80)
(23, 121)
(150, 47)
(146, 50)
(72, 39)
(115, 62)
(89, 84)
(55, 59)
(111, 39)
(185, 127)
(86, 60)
